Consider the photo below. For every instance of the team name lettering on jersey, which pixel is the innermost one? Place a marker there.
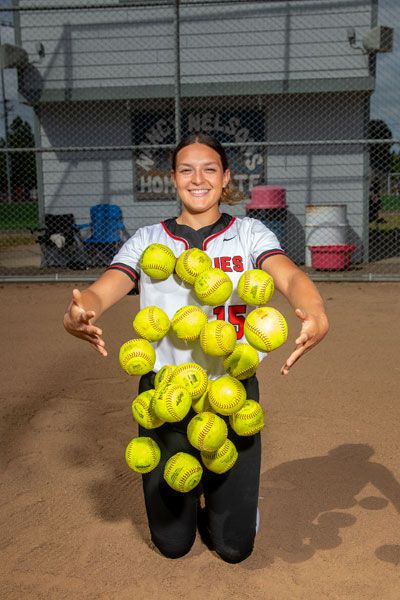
(229, 263)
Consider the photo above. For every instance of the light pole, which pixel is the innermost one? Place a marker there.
(5, 117)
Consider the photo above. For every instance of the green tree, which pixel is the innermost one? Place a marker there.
(23, 164)
(3, 168)
(380, 154)
(395, 166)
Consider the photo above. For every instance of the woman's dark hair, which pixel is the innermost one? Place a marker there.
(229, 194)
(201, 138)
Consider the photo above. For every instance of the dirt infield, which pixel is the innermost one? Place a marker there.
(72, 516)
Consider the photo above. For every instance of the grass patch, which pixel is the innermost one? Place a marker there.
(392, 221)
(18, 215)
(390, 202)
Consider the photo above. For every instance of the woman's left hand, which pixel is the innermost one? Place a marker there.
(313, 330)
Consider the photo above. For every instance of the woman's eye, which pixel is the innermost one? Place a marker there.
(210, 170)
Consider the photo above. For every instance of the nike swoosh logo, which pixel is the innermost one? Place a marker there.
(227, 239)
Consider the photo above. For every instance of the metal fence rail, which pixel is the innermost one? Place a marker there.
(302, 93)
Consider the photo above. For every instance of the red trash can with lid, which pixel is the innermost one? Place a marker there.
(268, 204)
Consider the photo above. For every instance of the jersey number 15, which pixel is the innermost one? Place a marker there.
(235, 314)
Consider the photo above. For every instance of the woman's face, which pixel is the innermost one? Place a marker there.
(199, 177)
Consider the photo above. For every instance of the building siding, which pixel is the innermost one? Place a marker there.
(310, 174)
(219, 44)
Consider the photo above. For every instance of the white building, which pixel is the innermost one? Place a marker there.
(273, 71)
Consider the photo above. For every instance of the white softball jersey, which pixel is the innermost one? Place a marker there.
(234, 245)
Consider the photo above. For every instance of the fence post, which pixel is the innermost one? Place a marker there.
(5, 118)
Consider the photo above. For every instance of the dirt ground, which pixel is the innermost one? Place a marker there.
(72, 515)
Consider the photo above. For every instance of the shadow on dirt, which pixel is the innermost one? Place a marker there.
(303, 503)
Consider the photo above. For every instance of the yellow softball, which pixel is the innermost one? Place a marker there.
(137, 357)
(143, 412)
(164, 375)
(182, 472)
(249, 420)
(142, 454)
(222, 459)
(265, 328)
(255, 287)
(188, 321)
(226, 395)
(242, 362)
(151, 323)
(213, 287)
(191, 263)
(171, 402)
(218, 338)
(207, 431)
(158, 261)
(202, 403)
(191, 376)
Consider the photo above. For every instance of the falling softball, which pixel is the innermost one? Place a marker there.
(137, 357)
(265, 328)
(164, 375)
(213, 287)
(221, 460)
(218, 338)
(158, 261)
(188, 321)
(243, 361)
(142, 454)
(143, 412)
(255, 287)
(191, 263)
(207, 431)
(191, 376)
(171, 402)
(226, 395)
(249, 420)
(151, 323)
(182, 472)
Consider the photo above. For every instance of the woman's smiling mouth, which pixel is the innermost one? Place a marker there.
(198, 192)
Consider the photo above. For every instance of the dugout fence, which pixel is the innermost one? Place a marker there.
(303, 94)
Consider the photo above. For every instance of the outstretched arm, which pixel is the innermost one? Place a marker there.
(306, 301)
(86, 307)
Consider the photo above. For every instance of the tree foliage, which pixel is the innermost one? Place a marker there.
(22, 165)
(380, 154)
(395, 166)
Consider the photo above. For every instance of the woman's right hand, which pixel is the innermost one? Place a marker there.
(77, 321)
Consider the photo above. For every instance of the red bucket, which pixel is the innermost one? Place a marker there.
(331, 258)
(267, 196)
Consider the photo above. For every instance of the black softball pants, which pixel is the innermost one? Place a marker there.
(227, 523)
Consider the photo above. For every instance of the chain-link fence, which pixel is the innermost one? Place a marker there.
(303, 93)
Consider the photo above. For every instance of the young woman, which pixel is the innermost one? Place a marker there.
(201, 177)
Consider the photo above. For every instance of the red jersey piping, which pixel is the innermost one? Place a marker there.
(214, 235)
(125, 269)
(267, 254)
(174, 237)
